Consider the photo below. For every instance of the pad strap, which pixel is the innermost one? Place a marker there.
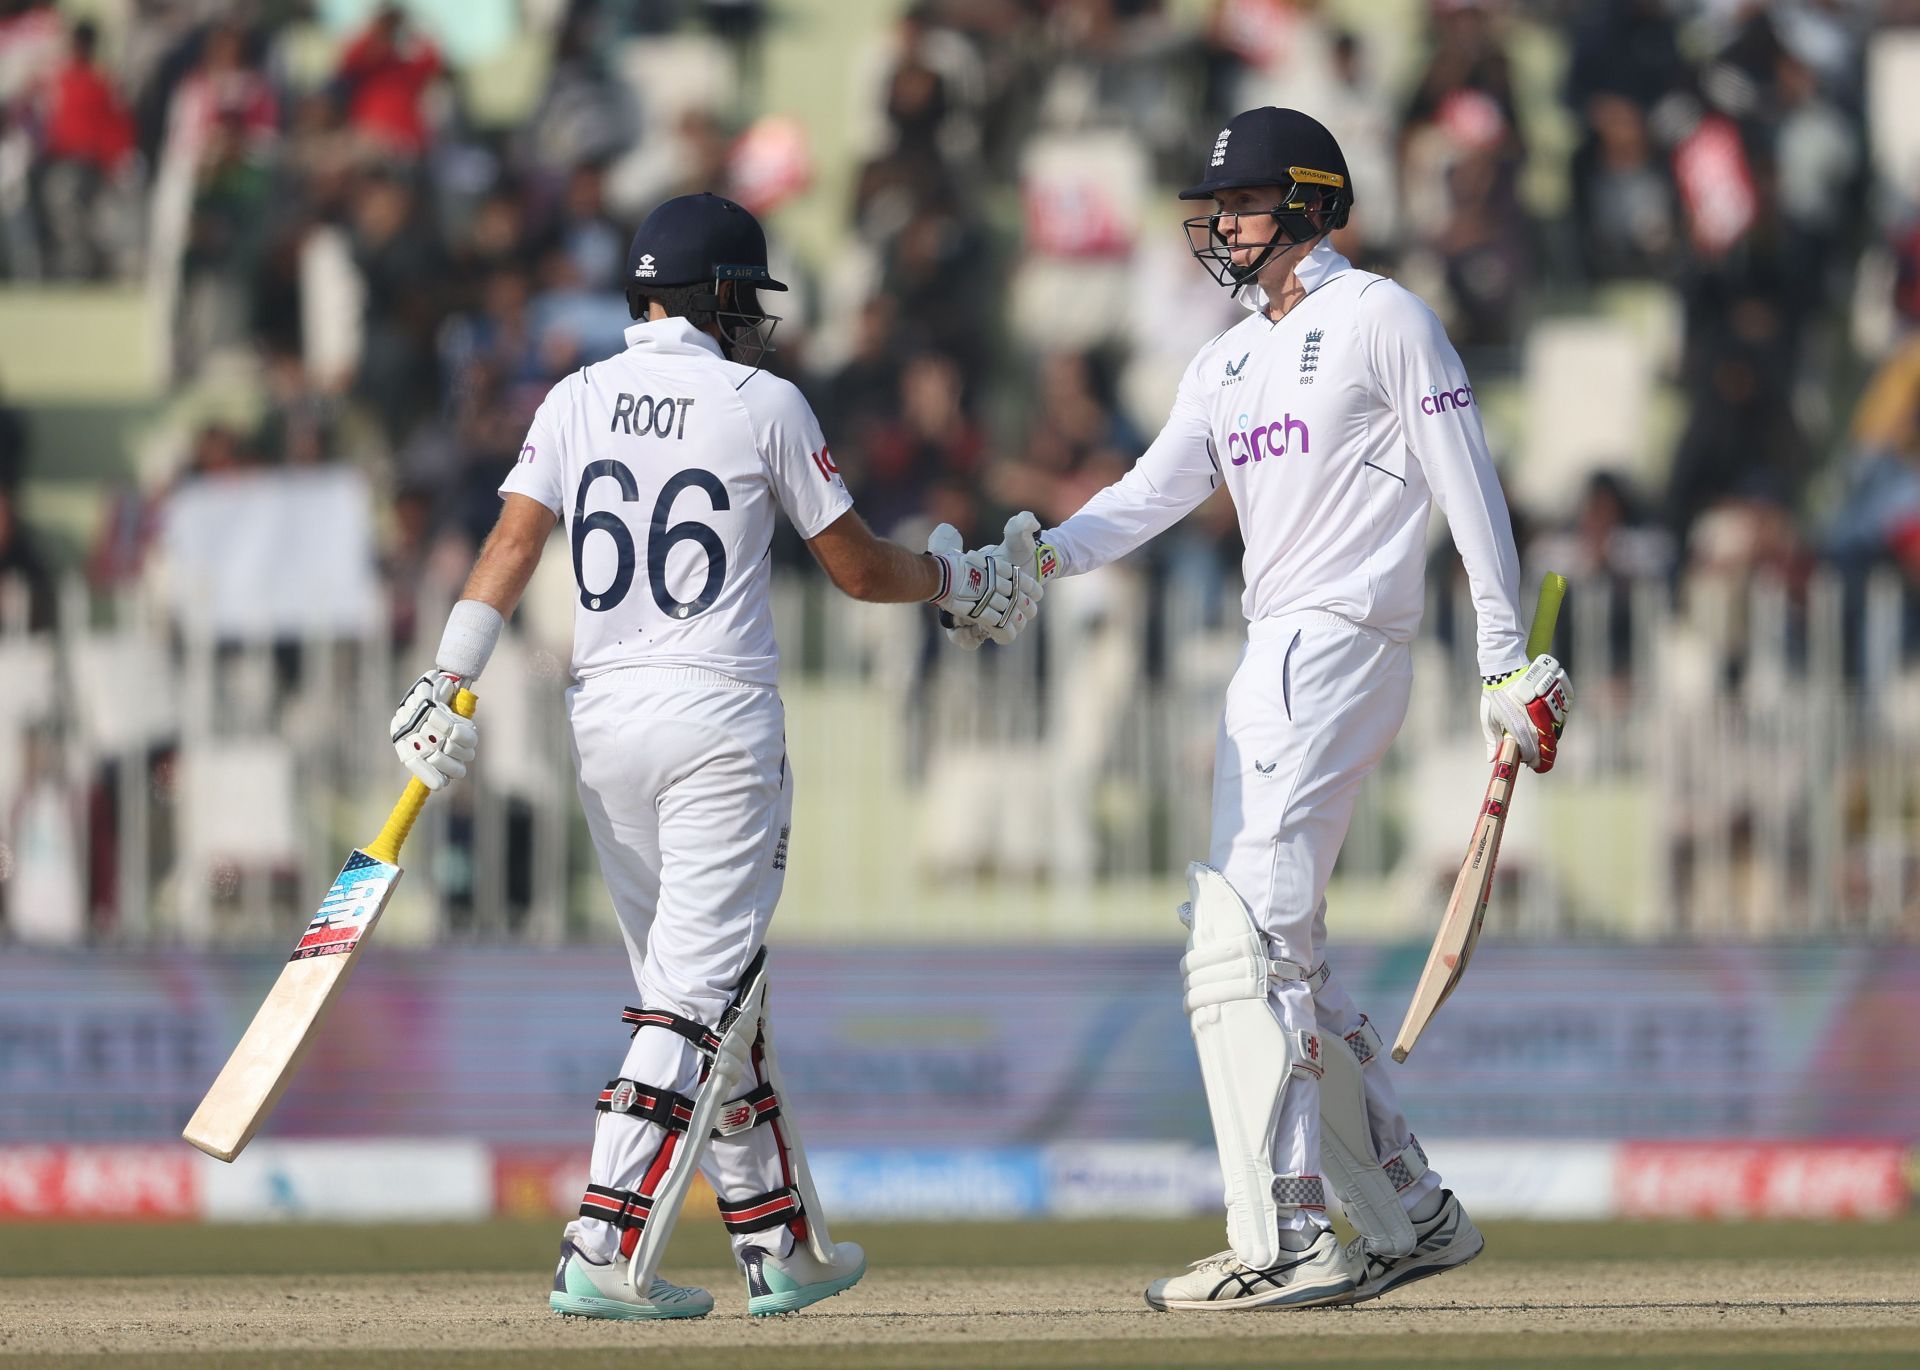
(1365, 1042)
(756, 1106)
(1293, 1192)
(1231, 968)
(1407, 1166)
(1317, 978)
(762, 1211)
(670, 1109)
(624, 1208)
(705, 1040)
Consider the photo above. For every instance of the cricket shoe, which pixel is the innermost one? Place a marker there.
(782, 1284)
(1321, 1274)
(1443, 1242)
(584, 1288)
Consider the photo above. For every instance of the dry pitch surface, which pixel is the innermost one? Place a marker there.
(994, 1295)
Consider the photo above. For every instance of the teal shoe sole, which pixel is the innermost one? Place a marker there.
(765, 1305)
(586, 1306)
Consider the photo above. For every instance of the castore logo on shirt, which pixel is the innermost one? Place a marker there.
(1274, 439)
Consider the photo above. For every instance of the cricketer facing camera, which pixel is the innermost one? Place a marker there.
(1334, 413)
(667, 463)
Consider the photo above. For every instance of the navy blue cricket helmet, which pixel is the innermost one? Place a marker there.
(686, 251)
(1288, 150)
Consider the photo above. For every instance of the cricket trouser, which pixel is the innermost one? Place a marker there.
(683, 774)
(1313, 706)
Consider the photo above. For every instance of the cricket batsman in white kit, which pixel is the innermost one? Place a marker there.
(668, 463)
(1335, 414)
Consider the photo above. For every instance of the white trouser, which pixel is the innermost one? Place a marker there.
(1312, 708)
(684, 778)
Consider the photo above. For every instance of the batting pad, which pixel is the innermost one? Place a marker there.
(1246, 1060)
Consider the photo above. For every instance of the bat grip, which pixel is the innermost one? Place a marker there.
(1546, 613)
(393, 833)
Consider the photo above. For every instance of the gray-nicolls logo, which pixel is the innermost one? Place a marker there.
(1220, 147)
(645, 268)
(780, 848)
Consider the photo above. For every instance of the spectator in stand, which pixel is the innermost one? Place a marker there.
(932, 438)
(933, 270)
(22, 565)
(1076, 442)
(595, 243)
(400, 258)
(1625, 219)
(1877, 525)
(226, 238)
(224, 90)
(86, 142)
(1629, 88)
(1460, 154)
(383, 75)
(860, 396)
(1609, 546)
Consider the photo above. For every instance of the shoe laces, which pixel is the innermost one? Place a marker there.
(1224, 1261)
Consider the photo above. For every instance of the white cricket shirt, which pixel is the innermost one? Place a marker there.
(1333, 429)
(666, 463)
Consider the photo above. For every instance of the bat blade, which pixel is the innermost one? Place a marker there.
(257, 1072)
(1460, 925)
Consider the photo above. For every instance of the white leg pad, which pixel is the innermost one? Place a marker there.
(816, 1216)
(728, 1076)
(1367, 1193)
(1246, 1060)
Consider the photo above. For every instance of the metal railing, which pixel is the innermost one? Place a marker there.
(1744, 763)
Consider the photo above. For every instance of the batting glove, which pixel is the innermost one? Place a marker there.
(1530, 705)
(1016, 545)
(982, 589)
(433, 741)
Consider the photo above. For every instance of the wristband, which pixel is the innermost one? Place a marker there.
(946, 577)
(473, 628)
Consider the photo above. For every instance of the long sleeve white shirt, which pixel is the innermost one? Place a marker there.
(1333, 430)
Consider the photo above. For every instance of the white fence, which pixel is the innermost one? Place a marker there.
(1743, 765)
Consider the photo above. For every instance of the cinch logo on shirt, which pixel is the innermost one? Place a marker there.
(1266, 440)
(1438, 401)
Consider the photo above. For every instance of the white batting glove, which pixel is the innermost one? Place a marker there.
(1016, 543)
(433, 741)
(1531, 705)
(987, 595)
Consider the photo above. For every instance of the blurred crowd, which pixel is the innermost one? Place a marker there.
(366, 261)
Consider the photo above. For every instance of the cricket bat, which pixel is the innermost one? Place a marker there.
(251, 1082)
(1460, 927)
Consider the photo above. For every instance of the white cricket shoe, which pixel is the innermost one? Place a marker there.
(1321, 1274)
(1443, 1242)
(782, 1284)
(584, 1288)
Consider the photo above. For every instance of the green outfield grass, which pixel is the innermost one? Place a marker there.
(344, 1249)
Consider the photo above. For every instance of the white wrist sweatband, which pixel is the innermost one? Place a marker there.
(472, 630)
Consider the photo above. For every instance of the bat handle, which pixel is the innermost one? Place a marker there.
(393, 833)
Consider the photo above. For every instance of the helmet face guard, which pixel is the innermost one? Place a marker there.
(746, 329)
(1302, 214)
